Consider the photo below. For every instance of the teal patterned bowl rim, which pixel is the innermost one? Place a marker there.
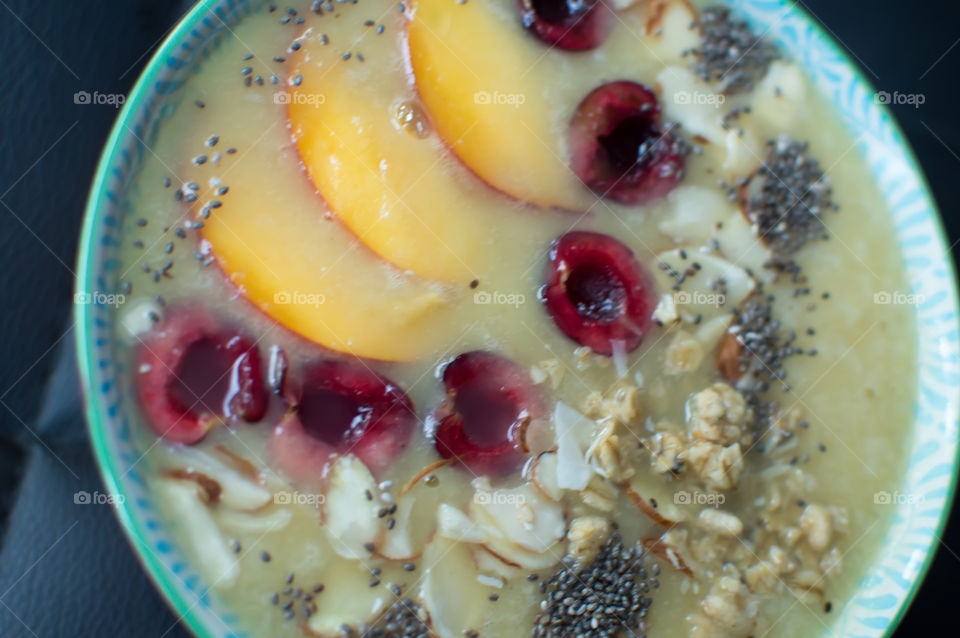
(893, 578)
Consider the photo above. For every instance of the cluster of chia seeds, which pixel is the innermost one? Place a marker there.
(730, 53)
(787, 197)
(766, 346)
(291, 598)
(609, 597)
(403, 619)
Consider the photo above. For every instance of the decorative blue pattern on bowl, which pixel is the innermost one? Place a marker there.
(914, 534)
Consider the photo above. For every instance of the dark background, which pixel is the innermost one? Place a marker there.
(66, 570)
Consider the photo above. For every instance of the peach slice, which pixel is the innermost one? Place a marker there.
(308, 272)
(371, 154)
(482, 103)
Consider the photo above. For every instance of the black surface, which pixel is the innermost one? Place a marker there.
(66, 570)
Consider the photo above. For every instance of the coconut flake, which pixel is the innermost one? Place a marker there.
(618, 348)
(574, 432)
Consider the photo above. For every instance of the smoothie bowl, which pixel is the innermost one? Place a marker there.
(518, 318)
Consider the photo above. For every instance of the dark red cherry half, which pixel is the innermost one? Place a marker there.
(597, 292)
(620, 149)
(194, 372)
(490, 402)
(574, 25)
(342, 407)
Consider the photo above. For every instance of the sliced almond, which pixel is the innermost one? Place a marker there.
(574, 434)
(514, 555)
(207, 546)
(648, 510)
(236, 490)
(491, 564)
(543, 475)
(255, 523)
(350, 602)
(449, 589)
(523, 514)
(452, 523)
(414, 524)
(349, 509)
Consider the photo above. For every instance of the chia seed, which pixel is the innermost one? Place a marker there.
(786, 199)
(601, 599)
(403, 619)
(730, 53)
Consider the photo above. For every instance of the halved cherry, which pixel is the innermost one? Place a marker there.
(482, 421)
(597, 292)
(342, 407)
(620, 149)
(194, 372)
(574, 25)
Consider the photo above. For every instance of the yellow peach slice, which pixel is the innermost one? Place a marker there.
(368, 149)
(278, 244)
(475, 70)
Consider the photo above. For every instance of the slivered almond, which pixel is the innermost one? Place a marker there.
(648, 509)
(658, 548)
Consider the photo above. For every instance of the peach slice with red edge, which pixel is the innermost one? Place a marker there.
(597, 292)
(386, 182)
(342, 407)
(482, 422)
(274, 240)
(481, 103)
(194, 372)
